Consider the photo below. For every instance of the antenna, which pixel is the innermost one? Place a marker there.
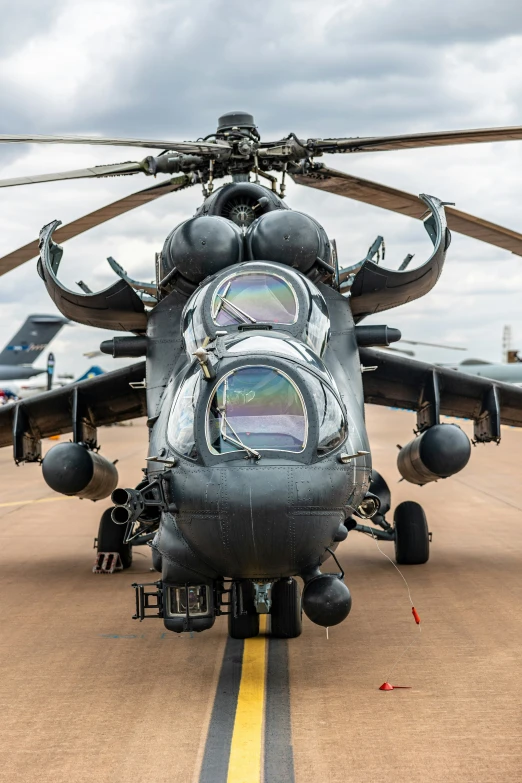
(506, 343)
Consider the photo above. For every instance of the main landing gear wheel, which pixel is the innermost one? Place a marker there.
(110, 539)
(243, 620)
(412, 538)
(286, 612)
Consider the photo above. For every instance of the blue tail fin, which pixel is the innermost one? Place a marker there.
(92, 372)
(31, 339)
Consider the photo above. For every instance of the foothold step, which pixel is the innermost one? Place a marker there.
(107, 563)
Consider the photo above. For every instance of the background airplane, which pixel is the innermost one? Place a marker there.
(508, 371)
(501, 371)
(20, 353)
(21, 389)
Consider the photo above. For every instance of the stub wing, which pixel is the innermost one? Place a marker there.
(432, 390)
(78, 408)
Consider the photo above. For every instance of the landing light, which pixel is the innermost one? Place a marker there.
(196, 596)
(369, 507)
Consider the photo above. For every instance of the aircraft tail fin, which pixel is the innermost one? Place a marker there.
(31, 339)
(91, 373)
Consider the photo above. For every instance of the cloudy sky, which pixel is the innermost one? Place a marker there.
(159, 69)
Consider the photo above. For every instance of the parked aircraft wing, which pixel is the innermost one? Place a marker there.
(400, 382)
(106, 399)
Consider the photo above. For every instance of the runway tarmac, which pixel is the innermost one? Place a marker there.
(88, 694)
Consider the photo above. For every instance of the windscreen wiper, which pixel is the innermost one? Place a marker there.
(238, 443)
(220, 303)
(237, 312)
(225, 423)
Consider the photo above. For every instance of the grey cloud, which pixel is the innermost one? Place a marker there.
(379, 67)
(300, 67)
(437, 24)
(22, 20)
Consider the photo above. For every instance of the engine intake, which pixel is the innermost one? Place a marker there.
(200, 247)
(440, 452)
(290, 238)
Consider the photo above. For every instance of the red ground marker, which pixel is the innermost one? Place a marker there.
(387, 687)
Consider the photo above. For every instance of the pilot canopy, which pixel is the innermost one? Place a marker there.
(273, 396)
(260, 407)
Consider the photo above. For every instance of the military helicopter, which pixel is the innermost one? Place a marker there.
(256, 371)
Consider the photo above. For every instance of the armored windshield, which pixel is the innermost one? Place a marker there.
(253, 297)
(332, 423)
(180, 428)
(193, 327)
(317, 330)
(256, 408)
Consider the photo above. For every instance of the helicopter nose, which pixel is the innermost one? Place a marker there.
(262, 521)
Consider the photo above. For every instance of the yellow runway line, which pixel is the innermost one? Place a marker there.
(40, 500)
(247, 738)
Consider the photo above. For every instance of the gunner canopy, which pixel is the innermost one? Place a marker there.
(254, 297)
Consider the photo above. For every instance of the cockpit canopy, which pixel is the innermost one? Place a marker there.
(260, 295)
(257, 407)
(253, 297)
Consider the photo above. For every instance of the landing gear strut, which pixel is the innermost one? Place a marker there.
(409, 533)
(284, 605)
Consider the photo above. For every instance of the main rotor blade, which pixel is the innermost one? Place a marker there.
(385, 348)
(404, 203)
(417, 140)
(116, 170)
(195, 147)
(435, 345)
(25, 253)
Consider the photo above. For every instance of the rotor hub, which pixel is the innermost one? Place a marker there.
(237, 122)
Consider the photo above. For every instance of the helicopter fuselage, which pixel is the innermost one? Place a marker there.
(258, 451)
(253, 513)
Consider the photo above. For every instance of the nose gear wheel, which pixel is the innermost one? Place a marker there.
(243, 620)
(286, 614)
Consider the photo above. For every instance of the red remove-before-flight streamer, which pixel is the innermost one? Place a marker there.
(386, 686)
